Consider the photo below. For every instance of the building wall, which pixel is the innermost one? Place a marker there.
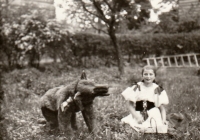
(45, 6)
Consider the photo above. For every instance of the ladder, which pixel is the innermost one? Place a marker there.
(181, 60)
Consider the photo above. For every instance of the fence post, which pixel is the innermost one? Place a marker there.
(148, 63)
(189, 60)
(162, 61)
(169, 62)
(175, 61)
(196, 61)
(155, 62)
(182, 60)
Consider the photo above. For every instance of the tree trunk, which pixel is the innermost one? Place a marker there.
(118, 51)
(1, 93)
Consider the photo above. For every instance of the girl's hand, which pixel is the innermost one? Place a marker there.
(140, 120)
(164, 122)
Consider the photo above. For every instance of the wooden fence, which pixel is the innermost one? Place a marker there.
(182, 60)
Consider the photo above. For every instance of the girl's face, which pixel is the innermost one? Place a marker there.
(148, 76)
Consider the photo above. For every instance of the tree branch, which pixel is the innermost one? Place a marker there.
(91, 19)
(109, 5)
(115, 6)
(96, 28)
(99, 10)
(84, 7)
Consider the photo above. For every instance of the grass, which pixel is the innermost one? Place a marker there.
(23, 88)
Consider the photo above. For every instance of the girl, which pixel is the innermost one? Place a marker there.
(146, 102)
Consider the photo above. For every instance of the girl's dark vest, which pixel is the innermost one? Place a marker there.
(143, 106)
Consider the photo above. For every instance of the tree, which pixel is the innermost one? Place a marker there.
(108, 12)
(112, 12)
(138, 14)
(169, 22)
(177, 21)
(27, 36)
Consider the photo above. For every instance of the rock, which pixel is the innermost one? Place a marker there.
(179, 121)
(41, 121)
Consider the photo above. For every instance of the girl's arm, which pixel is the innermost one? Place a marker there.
(133, 112)
(163, 113)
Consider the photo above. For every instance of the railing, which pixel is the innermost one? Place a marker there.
(183, 60)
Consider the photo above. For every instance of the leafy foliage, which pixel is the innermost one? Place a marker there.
(169, 22)
(179, 21)
(28, 38)
(74, 48)
(138, 44)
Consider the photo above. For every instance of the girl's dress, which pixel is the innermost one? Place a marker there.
(148, 98)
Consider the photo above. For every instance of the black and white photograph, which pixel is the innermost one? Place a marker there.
(99, 69)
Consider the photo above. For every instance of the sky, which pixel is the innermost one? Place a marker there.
(157, 5)
(161, 8)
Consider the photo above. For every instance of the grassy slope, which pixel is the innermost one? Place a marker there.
(24, 87)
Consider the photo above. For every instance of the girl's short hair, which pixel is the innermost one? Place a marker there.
(147, 67)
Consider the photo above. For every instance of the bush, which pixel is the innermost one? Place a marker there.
(88, 45)
(88, 49)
